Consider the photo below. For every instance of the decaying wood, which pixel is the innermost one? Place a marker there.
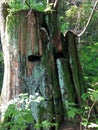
(38, 63)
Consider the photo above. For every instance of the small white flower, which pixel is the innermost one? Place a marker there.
(36, 94)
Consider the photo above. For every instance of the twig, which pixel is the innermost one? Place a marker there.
(89, 113)
(56, 3)
(28, 4)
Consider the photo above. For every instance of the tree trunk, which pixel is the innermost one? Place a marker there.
(39, 59)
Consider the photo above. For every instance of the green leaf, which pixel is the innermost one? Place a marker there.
(93, 125)
(72, 112)
(38, 125)
(46, 123)
(84, 123)
(95, 95)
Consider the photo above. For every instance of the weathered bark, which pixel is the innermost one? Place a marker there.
(35, 63)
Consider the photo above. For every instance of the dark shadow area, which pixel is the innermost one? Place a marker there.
(59, 55)
(1, 67)
(1, 75)
(33, 58)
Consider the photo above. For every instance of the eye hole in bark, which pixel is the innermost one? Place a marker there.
(33, 58)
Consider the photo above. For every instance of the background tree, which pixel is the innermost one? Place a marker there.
(81, 15)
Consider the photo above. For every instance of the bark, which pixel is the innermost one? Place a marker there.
(39, 59)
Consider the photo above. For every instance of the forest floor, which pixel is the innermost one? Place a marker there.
(71, 125)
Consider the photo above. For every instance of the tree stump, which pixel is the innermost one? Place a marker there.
(41, 61)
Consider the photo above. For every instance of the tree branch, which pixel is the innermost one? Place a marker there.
(28, 3)
(90, 17)
(56, 4)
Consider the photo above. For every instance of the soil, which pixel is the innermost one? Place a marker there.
(71, 125)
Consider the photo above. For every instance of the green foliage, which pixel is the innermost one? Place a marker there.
(71, 109)
(91, 94)
(89, 61)
(88, 116)
(45, 124)
(69, 19)
(49, 8)
(17, 5)
(86, 111)
(18, 114)
(63, 24)
(76, 16)
(93, 125)
(10, 23)
(15, 117)
(72, 11)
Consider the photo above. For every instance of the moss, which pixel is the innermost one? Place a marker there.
(10, 28)
(66, 85)
(11, 22)
(18, 5)
(5, 10)
(45, 61)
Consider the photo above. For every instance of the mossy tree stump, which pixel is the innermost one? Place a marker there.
(38, 58)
